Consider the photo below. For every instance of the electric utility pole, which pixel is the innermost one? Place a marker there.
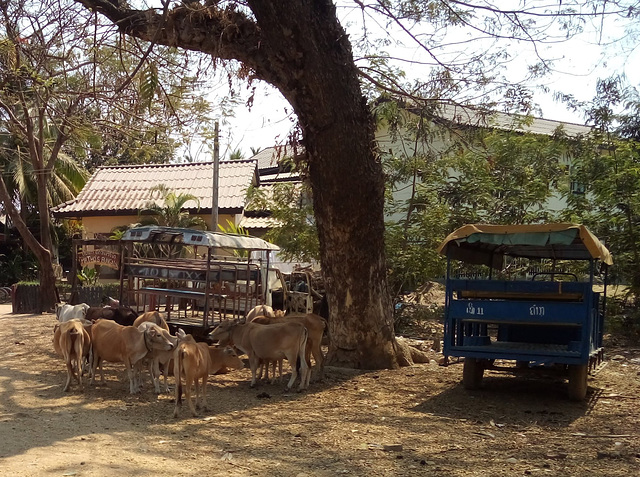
(216, 174)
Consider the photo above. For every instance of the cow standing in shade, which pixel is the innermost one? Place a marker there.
(191, 362)
(264, 343)
(125, 344)
(316, 326)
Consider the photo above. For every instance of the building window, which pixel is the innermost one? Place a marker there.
(577, 187)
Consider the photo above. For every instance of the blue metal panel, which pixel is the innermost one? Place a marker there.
(518, 311)
(543, 322)
(524, 286)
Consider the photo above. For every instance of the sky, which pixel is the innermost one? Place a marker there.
(579, 63)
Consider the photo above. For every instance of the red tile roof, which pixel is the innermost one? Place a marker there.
(114, 190)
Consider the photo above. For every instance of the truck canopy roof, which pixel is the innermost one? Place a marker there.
(484, 244)
(204, 238)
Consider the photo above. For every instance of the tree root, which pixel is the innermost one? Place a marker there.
(408, 355)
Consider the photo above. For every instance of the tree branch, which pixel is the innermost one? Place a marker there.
(224, 33)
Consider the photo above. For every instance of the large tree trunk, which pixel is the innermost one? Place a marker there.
(346, 176)
(48, 294)
(299, 47)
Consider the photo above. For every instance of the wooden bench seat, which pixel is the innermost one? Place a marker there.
(172, 292)
(505, 295)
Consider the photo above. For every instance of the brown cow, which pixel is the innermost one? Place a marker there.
(315, 325)
(223, 359)
(267, 343)
(159, 361)
(192, 368)
(191, 361)
(72, 341)
(125, 344)
(153, 317)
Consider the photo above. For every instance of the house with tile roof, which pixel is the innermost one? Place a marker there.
(114, 195)
(274, 167)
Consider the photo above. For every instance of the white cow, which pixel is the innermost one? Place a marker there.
(69, 312)
(260, 310)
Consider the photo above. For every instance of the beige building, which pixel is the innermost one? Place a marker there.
(115, 195)
(449, 126)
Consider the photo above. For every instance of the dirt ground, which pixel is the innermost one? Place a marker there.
(411, 421)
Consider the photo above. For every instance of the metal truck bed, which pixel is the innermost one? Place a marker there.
(550, 318)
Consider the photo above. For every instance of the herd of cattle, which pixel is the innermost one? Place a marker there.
(86, 336)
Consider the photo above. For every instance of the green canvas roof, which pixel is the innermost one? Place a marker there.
(488, 244)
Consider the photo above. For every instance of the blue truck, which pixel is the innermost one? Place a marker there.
(533, 294)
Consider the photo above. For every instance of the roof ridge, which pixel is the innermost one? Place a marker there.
(174, 164)
(479, 109)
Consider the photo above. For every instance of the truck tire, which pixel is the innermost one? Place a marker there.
(472, 373)
(578, 381)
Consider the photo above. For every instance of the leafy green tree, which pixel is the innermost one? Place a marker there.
(438, 181)
(39, 116)
(606, 178)
(416, 171)
(164, 112)
(506, 178)
(71, 98)
(301, 48)
(294, 230)
(167, 209)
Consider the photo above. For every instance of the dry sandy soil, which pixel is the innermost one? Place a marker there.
(411, 421)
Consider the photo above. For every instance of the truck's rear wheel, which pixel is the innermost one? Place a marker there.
(472, 373)
(578, 381)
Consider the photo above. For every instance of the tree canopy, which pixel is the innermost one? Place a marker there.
(72, 97)
(302, 49)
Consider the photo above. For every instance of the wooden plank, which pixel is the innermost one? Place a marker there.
(173, 292)
(497, 295)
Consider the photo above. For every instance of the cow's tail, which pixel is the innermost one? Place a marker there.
(325, 332)
(177, 371)
(90, 359)
(302, 352)
(75, 344)
(74, 341)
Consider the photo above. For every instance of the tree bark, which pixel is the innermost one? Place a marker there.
(48, 294)
(346, 179)
(299, 47)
